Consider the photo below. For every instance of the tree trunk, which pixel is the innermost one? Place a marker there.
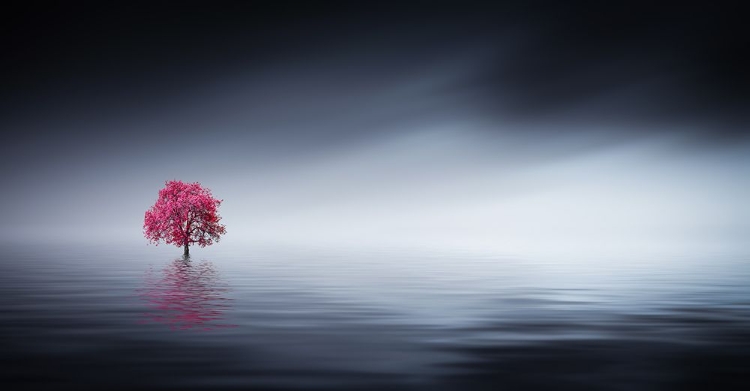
(187, 250)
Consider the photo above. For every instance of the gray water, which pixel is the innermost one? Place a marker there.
(282, 317)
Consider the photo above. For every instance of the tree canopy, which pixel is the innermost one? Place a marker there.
(184, 214)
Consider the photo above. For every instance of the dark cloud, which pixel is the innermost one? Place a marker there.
(621, 62)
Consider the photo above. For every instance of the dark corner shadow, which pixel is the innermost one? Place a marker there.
(676, 350)
(185, 294)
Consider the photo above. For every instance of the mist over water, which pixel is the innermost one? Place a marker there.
(437, 258)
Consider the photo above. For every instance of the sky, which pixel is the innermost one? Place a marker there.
(510, 127)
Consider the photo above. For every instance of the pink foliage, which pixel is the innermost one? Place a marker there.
(184, 213)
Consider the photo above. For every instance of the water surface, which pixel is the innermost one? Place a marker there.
(265, 317)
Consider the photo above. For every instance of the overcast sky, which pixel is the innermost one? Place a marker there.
(508, 126)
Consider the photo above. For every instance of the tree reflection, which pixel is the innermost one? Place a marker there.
(185, 295)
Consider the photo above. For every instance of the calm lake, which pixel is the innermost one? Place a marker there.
(132, 316)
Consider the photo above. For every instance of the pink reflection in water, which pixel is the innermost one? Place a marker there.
(185, 295)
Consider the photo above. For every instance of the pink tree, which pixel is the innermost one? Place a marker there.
(184, 213)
